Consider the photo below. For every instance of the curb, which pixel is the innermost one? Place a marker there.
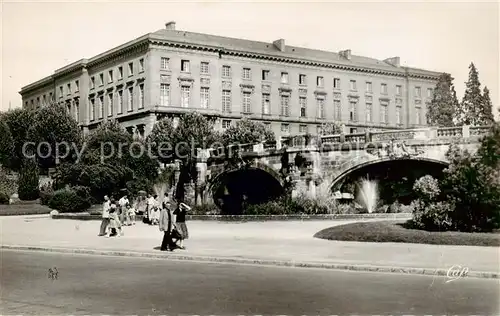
(252, 218)
(279, 263)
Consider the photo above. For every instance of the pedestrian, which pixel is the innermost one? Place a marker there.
(124, 219)
(180, 222)
(165, 225)
(105, 216)
(115, 224)
(149, 209)
(132, 210)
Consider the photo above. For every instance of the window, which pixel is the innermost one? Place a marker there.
(37, 102)
(418, 92)
(185, 66)
(92, 109)
(266, 103)
(353, 85)
(247, 74)
(320, 102)
(226, 71)
(353, 113)
(369, 112)
(398, 90)
(303, 129)
(302, 79)
(429, 92)
(185, 96)
(141, 65)
(101, 106)
(120, 102)
(77, 110)
(320, 82)
(285, 128)
(61, 91)
(418, 116)
(204, 97)
(398, 115)
(92, 83)
(44, 100)
(141, 96)
(384, 113)
(247, 102)
(226, 101)
(284, 77)
(285, 105)
(164, 63)
(265, 74)
(226, 124)
(303, 106)
(353, 130)
(120, 73)
(110, 104)
(110, 76)
(338, 109)
(69, 88)
(383, 88)
(164, 94)
(51, 97)
(130, 99)
(204, 68)
(130, 69)
(369, 88)
(336, 83)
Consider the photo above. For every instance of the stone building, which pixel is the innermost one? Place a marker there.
(291, 89)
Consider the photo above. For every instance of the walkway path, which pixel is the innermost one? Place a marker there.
(289, 241)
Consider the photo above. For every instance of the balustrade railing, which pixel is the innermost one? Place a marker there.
(356, 138)
(478, 130)
(449, 132)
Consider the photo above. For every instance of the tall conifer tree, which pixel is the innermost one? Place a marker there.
(444, 104)
(486, 109)
(469, 113)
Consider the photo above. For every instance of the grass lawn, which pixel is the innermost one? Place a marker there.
(393, 231)
(24, 209)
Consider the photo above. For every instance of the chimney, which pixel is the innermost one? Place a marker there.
(346, 54)
(395, 61)
(280, 44)
(170, 26)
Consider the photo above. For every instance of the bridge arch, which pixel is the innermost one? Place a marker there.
(255, 183)
(410, 162)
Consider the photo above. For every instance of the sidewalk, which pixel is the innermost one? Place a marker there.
(278, 242)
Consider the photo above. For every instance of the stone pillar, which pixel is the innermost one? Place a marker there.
(433, 133)
(278, 144)
(465, 131)
(258, 148)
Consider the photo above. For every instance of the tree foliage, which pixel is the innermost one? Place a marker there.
(53, 125)
(486, 108)
(441, 110)
(29, 180)
(247, 132)
(19, 121)
(470, 110)
(6, 142)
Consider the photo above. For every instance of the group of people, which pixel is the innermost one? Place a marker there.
(172, 222)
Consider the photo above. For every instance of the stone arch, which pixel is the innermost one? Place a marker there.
(341, 174)
(228, 178)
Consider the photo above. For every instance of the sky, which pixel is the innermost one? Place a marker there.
(39, 37)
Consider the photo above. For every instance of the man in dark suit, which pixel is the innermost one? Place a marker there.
(166, 227)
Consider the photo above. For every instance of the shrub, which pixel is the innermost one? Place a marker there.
(75, 199)
(432, 217)
(427, 188)
(28, 181)
(4, 198)
(205, 209)
(46, 193)
(8, 185)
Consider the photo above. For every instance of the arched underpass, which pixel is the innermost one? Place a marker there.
(395, 177)
(250, 185)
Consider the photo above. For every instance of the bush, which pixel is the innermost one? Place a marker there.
(28, 181)
(8, 185)
(75, 199)
(427, 188)
(297, 205)
(46, 193)
(4, 198)
(205, 209)
(432, 217)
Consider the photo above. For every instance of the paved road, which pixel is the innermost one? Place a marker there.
(119, 286)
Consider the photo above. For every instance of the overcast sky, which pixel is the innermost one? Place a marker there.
(39, 37)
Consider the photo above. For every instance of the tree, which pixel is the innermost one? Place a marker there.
(6, 142)
(441, 110)
(19, 121)
(486, 108)
(193, 131)
(470, 108)
(53, 126)
(247, 132)
(29, 180)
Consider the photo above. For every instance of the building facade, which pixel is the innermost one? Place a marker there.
(291, 89)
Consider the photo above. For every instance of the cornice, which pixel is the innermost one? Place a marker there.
(119, 54)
